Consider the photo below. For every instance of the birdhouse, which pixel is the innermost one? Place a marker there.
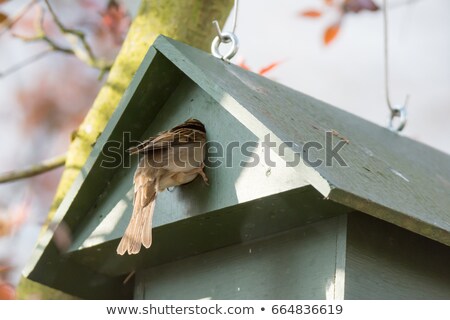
(305, 201)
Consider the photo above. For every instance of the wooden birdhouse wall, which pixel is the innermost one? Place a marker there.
(384, 261)
(300, 263)
(350, 256)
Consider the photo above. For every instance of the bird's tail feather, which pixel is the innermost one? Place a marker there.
(146, 238)
(139, 230)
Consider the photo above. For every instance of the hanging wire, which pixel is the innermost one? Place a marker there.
(226, 37)
(397, 111)
(216, 23)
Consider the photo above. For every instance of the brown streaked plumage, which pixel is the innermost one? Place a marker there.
(172, 158)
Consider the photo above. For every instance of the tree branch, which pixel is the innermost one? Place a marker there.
(34, 170)
(42, 36)
(80, 47)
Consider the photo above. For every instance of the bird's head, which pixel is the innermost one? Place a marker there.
(194, 124)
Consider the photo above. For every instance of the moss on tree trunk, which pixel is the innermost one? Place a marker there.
(188, 21)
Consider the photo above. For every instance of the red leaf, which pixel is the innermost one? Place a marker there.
(331, 33)
(311, 14)
(263, 70)
(7, 292)
(328, 2)
(271, 66)
(113, 15)
(243, 65)
(116, 20)
(3, 17)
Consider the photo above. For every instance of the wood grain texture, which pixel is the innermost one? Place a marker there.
(388, 176)
(298, 264)
(341, 257)
(387, 262)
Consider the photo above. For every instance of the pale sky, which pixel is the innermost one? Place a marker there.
(349, 72)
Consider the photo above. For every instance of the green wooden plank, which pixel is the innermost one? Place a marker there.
(387, 262)
(61, 272)
(198, 233)
(388, 176)
(298, 264)
(341, 257)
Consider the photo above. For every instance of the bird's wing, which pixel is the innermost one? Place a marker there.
(178, 136)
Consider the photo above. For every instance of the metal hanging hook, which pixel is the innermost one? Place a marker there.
(397, 111)
(226, 37)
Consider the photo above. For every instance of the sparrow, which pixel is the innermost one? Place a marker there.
(170, 159)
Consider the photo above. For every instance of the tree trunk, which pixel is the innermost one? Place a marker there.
(189, 21)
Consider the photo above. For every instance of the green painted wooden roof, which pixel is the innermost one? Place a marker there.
(388, 176)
